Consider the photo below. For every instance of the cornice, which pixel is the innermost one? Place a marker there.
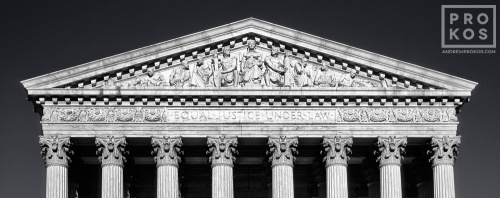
(215, 36)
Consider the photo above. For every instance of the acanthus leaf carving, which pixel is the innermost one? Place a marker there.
(336, 150)
(282, 150)
(222, 150)
(390, 150)
(443, 150)
(55, 150)
(111, 150)
(167, 150)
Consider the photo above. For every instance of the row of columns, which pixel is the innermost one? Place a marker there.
(282, 151)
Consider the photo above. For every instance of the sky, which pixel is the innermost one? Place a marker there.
(40, 37)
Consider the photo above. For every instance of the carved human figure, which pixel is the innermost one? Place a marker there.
(226, 75)
(203, 73)
(304, 73)
(324, 77)
(181, 76)
(275, 68)
(346, 80)
(251, 66)
(151, 79)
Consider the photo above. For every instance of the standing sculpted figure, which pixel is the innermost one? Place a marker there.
(203, 73)
(181, 76)
(226, 73)
(251, 66)
(304, 73)
(275, 68)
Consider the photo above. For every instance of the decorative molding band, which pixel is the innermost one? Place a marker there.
(55, 150)
(174, 115)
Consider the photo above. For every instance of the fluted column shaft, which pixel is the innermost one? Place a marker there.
(222, 181)
(390, 181)
(336, 178)
(55, 153)
(283, 181)
(222, 152)
(443, 152)
(167, 185)
(57, 182)
(336, 154)
(444, 181)
(389, 154)
(111, 153)
(112, 181)
(282, 152)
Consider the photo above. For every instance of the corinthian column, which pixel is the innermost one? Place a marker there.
(167, 151)
(222, 152)
(336, 154)
(443, 154)
(282, 151)
(389, 156)
(55, 153)
(111, 153)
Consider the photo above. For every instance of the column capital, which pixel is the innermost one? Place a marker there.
(282, 150)
(111, 150)
(222, 150)
(443, 150)
(337, 150)
(390, 150)
(167, 150)
(55, 150)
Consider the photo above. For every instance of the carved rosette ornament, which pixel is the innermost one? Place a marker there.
(222, 150)
(167, 150)
(111, 150)
(337, 150)
(282, 150)
(390, 150)
(55, 150)
(444, 150)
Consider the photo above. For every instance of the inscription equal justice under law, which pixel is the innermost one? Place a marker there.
(250, 116)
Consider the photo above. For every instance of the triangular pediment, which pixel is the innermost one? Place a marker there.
(327, 59)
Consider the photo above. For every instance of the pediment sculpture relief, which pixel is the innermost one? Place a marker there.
(249, 68)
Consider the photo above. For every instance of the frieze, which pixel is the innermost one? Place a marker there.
(324, 115)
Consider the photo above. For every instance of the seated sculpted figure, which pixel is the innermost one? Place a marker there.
(251, 66)
(226, 73)
(304, 73)
(181, 76)
(275, 68)
(203, 73)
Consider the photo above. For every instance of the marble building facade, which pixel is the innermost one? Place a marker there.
(249, 109)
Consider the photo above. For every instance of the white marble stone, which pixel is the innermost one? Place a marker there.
(57, 182)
